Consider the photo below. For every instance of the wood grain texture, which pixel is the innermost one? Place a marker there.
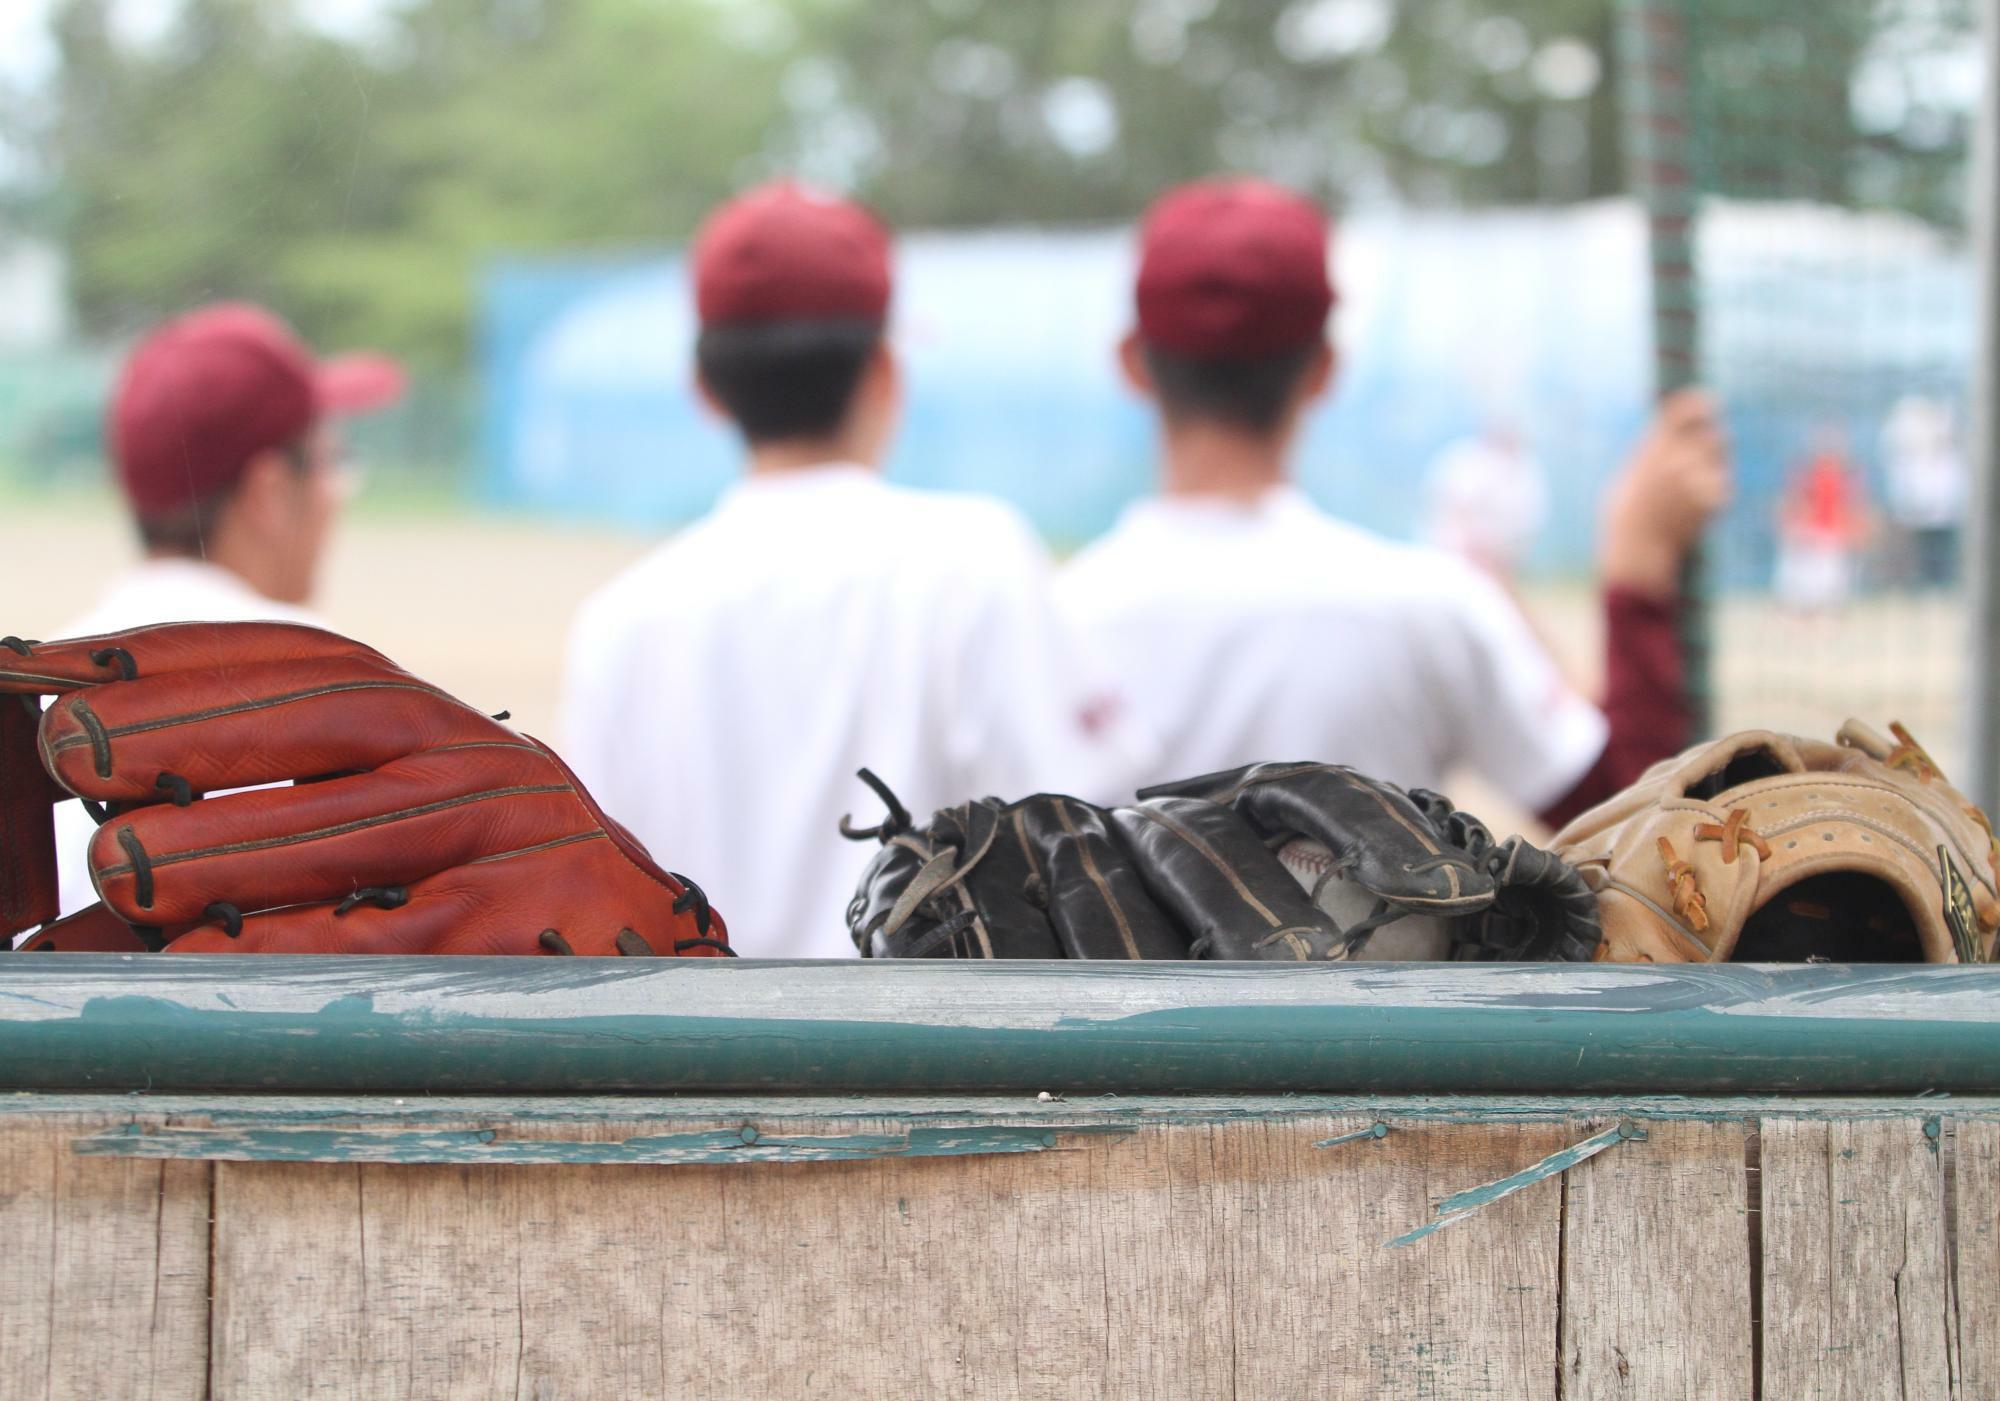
(1976, 1292)
(103, 1270)
(1322, 1308)
(1219, 1259)
(1199, 1254)
(1854, 1261)
(289, 1279)
(1656, 1267)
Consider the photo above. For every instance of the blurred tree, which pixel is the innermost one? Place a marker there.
(979, 110)
(191, 167)
(1862, 102)
(526, 125)
(357, 181)
(358, 186)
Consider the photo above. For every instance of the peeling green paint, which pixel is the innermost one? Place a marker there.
(745, 1145)
(1460, 1205)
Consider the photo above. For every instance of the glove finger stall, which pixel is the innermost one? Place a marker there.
(279, 846)
(1099, 905)
(965, 886)
(1382, 840)
(1207, 866)
(73, 663)
(1544, 911)
(494, 907)
(265, 724)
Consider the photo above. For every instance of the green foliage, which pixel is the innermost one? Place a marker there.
(1433, 99)
(359, 187)
(1857, 102)
(358, 183)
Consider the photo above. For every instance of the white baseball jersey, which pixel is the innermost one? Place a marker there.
(1270, 630)
(720, 694)
(154, 591)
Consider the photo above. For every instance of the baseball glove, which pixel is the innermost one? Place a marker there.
(1286, 862)
(411, 822)
(1768, 848)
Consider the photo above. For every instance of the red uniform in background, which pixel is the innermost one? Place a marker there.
(1822, 523)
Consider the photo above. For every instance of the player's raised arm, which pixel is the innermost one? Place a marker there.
(1672, 485)
(1676, 480)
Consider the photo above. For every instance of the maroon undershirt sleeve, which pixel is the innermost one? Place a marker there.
(28, 799)
(1645, 699)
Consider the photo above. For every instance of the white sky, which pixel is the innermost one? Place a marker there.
(27, 55)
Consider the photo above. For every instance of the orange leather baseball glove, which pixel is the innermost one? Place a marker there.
(408, 822)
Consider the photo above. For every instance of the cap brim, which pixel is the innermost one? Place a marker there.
(356, 384)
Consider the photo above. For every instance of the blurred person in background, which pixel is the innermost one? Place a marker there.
(1928, 487)
(720, 694)
(1822, 525)
(225, 439)
(1246, 624)
(1486, 498)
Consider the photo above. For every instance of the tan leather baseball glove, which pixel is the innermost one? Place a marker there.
(1768, 848)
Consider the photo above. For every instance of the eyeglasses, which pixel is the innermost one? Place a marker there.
(344, 476)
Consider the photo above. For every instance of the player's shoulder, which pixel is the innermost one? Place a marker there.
(1354, 559)
(1443, 592)
(1285, 546)
(643, 588)
(964, 536)
(965, 512)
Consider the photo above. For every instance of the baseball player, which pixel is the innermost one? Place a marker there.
(225, 435)
(1245, 624)
(720, 695)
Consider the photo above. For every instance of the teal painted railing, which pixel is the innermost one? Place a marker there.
(580, 1026)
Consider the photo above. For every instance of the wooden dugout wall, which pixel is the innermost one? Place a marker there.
(799, 1241)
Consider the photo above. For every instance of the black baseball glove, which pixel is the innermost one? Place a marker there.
(1281, 862)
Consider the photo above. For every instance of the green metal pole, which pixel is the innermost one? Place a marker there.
(1983, 537)
(590, 1026)
(1658, 126)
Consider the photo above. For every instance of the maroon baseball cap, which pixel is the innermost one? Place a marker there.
(1233, 269)
(203, 394)
(783, 252)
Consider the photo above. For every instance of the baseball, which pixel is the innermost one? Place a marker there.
(1411, 939)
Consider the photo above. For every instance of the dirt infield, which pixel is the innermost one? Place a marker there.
(480, 604)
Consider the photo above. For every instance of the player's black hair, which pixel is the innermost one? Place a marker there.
(786, 379)
(1248, 394)
(184, 530)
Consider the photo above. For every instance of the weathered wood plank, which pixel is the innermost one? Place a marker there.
(290, 1282)
(441, 1258)
(1854, 1261)
(28, 1156)
(992, 1277)
(103, 1269)
(1324, 1307)
(1200, 1260)
(1656, 1267)
(1976, 1171)
(1223, 1253)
